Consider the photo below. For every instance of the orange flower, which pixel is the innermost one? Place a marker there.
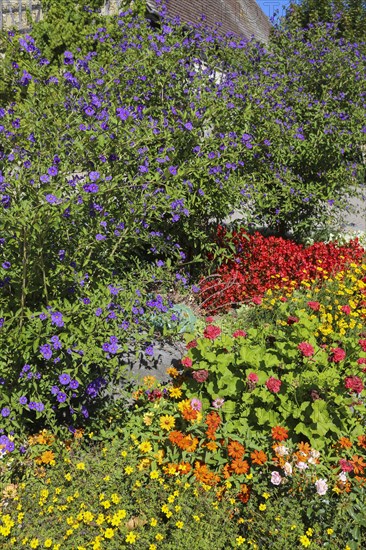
(211, 446)
(345, 443)
(358, 464)
(189, 414)
(362, 441)
(226, 471)
(204, 475)
(184, 467)
(279, 433)
(239, 466)
(258, 457)
(190, 444)
(47, 457)
(235, 449)
(304, 448)
(213, 421)
(244, 494)
(176, 437)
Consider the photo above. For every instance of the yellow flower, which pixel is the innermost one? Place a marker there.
(330, 531)
(262, 507)
(100, 519)
(304, 541)
(240, 541)
(159, 537)
(145, 447)
(175, 392)
(131, 538)
(34, 543)
(124, 454)
(107, 478)
(148, 418)
(80, 466)
(109, 533)
(309, 532)
(179, 524)
(154, 474)
(196, 518)
(167, 422)
(153, 522)
(152, 547)
(128, 470)
(266, 495)
(68, 476)
(293, 527)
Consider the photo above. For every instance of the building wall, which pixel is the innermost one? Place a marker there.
(242, 17)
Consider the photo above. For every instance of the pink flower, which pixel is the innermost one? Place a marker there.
(252, 377)
(257, 300)
(321, 486)
(191, 344)
(337, 355)
(346, 309)
(345, 465)
(218, 403)
(273, 384)
(276, 478)
(211, 332)
(200, 375)
(361, 361)
(187, 362)
(291, 320)
(196, 404)
(306, 349)
(362, 344)
(315, 306)
(209, 319)
(354, 383)
(238, 333)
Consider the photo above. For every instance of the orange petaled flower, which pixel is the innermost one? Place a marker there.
(239, 466)
(226, 471)
(46, 457)
(187, 412)
(244, 493)
(258, 457)
(203, 474)
(211, 446)
(345, 443)
(279, 433)
(171, 468)
(213, 421)
(358, 464)
(190, 444)
(304, 448)
(176, 437)
(172, 371)
(78, 433)
(235, 449)
(361, 441)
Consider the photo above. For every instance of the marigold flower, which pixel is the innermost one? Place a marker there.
(258, 457)
(167, 422)
(236, 449)
(279, 433)
(358, 464)
(239, 466)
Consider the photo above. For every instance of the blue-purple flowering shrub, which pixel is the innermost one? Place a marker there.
(116, 168)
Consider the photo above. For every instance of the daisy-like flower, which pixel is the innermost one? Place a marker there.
(167, 422)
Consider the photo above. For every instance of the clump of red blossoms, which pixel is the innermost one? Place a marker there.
(273, 384)
(211, 332)
(306, 349)
(337, 355)
(354, 383)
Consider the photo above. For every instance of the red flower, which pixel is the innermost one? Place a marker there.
(337, 355)
(279, 433)
(187, 362)
(252, 377)
(191, 344)
(362, 344)
(345, 465)
(314, 305)
(211, 332)
(306, 349)
(361, 361)
(346, 309)
(354, 383)
(200, 375)
(209, 319)
(292, 320)
(273, 384)
(257, 300)
(238, 333)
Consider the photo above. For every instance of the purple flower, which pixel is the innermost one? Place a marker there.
(42, 316)
(39, 407)
(46, 351)
(98, 312)
(44, 178)
(6, 265)
(64, 379)
(52, 171)
(54, 390)
(91, 188)
(100, 237)
(94, 176)
(61, 397)
(56, 342)
(74, 384)
(149, 350)
(123, 114)
(68, 58)
(56, 319)
(188, 126)
(51, 199)
(5, 411)
(173, 170)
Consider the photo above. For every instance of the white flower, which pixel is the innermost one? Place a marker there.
(276, 478)
(321, 486)
(314, 454)
(301, 465)
(342, 477)
(281, 450)
(287, 468)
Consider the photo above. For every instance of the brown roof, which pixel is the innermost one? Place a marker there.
(243, 17)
